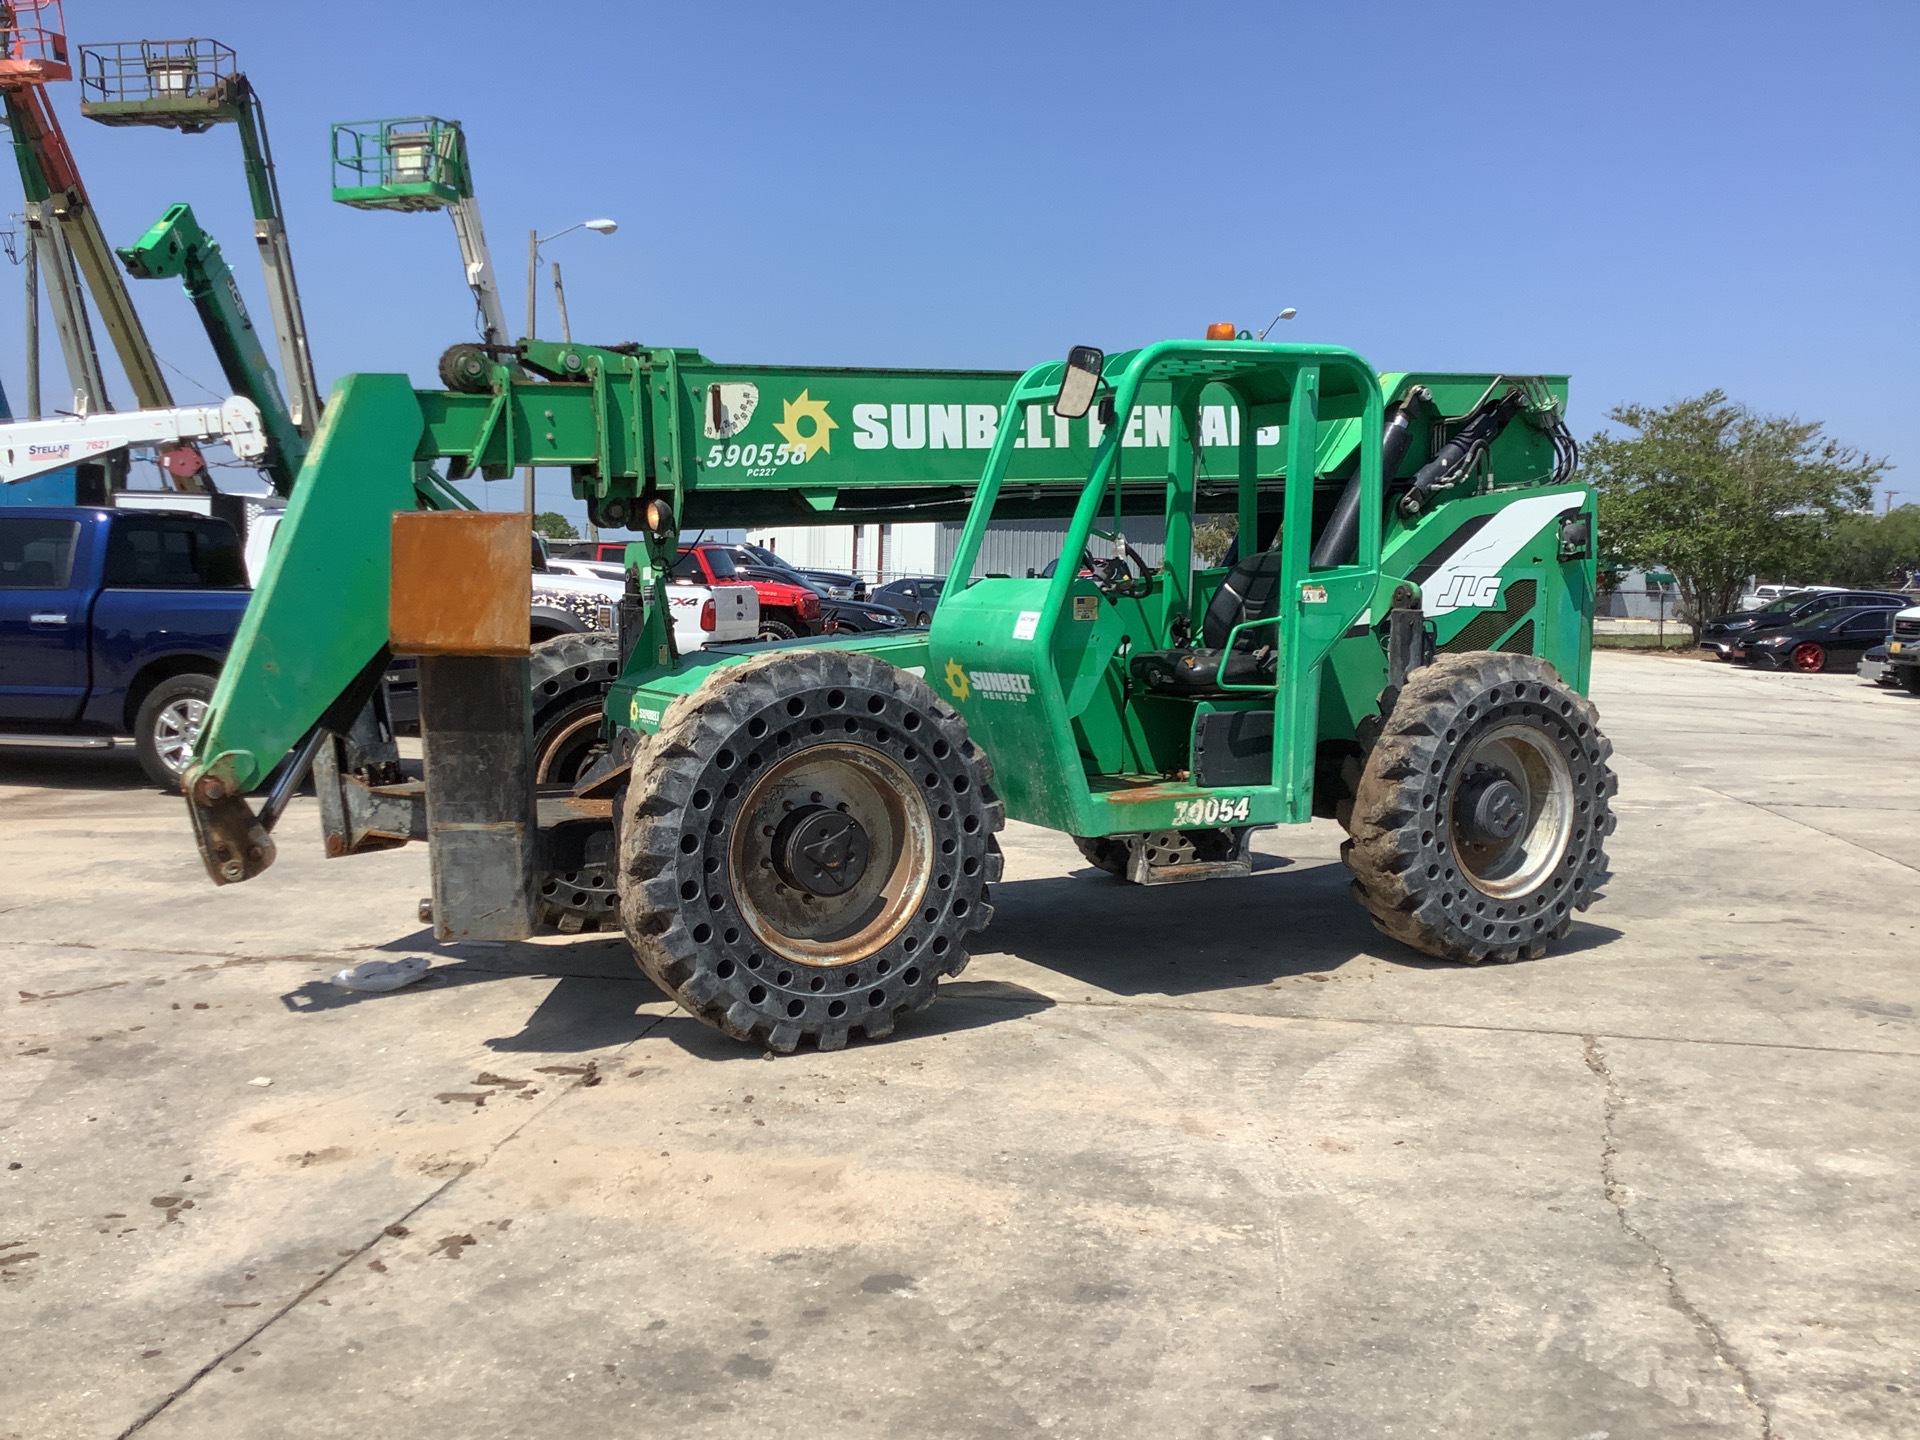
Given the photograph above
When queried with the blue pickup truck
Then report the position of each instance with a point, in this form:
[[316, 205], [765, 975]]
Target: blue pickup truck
[[115, 622]]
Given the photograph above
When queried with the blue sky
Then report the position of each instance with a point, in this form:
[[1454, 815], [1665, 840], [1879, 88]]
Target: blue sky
[[1657, 199]]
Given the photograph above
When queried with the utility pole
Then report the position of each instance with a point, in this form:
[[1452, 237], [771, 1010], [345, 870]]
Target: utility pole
[[560, 301], [533, 286], [1888, 508]]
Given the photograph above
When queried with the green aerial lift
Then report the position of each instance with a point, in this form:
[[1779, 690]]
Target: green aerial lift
[[191, 86], [799, 839], [420, 163], [176, 247]]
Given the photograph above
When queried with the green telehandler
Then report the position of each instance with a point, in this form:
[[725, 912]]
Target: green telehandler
[[799, 839]]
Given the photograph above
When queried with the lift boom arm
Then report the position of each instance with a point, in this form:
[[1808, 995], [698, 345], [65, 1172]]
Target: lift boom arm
[[177, 246], [51, 178], [36, 447]]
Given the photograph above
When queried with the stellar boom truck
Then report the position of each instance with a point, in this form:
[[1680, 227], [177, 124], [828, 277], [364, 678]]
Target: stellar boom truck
[[799, 840]]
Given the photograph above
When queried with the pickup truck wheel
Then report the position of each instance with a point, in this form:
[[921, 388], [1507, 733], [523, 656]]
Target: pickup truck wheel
[[167, 726], [1910, 677], [807, 848], [777, 630], [1482, 812]]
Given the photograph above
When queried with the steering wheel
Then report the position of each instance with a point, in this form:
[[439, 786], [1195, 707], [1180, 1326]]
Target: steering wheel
[[1122, 575]]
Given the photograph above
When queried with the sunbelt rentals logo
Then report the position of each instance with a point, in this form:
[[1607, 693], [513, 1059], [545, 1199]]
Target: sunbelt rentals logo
[[988, 684]]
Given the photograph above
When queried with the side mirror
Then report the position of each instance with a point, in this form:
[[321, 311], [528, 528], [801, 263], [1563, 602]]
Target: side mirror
[[1080, 383]]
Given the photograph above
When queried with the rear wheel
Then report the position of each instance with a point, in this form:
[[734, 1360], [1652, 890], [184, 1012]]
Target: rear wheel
[[1809, 658], [168, 724], [1482, 812], [805, 846], [569, 679]]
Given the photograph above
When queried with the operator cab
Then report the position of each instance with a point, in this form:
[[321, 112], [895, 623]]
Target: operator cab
[[1250, 592], [1150, 696]]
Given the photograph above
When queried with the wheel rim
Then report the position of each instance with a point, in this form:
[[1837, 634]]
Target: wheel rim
[[1512, 809], [176, 729], [799, 801], [1809, 657], [568, 752]]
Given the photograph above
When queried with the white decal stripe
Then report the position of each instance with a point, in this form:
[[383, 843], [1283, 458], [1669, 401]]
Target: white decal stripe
[[1490, 551]]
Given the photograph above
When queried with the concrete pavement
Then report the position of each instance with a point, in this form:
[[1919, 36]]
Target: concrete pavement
[[1197, 1161]]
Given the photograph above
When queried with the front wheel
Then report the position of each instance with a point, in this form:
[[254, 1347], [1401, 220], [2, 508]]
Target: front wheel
[[168, 725], [1809, 658], [805, 846], [777, 630], [1910, 677], [1482, 812]]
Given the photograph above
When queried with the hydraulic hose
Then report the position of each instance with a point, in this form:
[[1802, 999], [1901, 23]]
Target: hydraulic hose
[[1480, 430]]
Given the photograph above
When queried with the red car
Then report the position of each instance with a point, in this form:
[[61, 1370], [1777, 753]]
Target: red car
[[786, 611]]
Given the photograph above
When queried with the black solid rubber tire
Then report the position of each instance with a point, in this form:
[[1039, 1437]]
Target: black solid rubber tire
[[777, 630], [145, 743], [1104, 852], [691, 779], [1401, 855], [569, 676], [1910, 677]]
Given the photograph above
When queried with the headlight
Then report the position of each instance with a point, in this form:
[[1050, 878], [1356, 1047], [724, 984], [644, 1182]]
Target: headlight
[[880, 617], [1741, 624]]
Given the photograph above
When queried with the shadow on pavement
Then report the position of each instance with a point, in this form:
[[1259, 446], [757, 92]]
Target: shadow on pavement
[[115, 769], [1284, 920], [1206, 936]]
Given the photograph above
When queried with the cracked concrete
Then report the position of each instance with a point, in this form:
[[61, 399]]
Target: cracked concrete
[[1621, 1199], [1209, 1161]]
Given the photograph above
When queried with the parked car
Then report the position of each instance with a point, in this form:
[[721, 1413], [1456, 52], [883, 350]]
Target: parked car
[[835, 584], [1903, 650], [1721, 633], [115, 622], [702, 614], [854, 617], [916, 597], [1762, 596], [788, 609], [1822, 642], [1873, 668]]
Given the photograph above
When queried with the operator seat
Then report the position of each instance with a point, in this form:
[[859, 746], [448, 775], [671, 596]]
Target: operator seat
[[1251, 591]]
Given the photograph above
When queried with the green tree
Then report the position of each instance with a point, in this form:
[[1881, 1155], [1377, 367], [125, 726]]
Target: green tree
[[1873, 550], [1717, 494], [1212, 535], [554, 525]]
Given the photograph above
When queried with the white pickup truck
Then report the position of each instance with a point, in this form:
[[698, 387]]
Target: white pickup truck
[[590, 591]]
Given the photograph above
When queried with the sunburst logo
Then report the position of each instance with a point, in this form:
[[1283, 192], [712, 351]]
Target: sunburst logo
[[957, 680], [818, 440]]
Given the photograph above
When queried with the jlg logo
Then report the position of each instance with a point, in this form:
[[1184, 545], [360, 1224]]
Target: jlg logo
[[1464, 591]]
